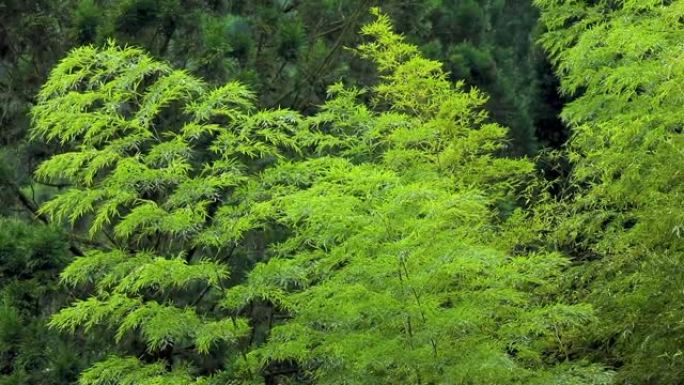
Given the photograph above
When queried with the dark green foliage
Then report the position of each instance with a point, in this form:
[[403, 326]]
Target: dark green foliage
[[30, 43], [489, 44], [31, 257]]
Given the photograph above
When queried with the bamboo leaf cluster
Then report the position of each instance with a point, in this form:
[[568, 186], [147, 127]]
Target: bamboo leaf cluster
[[368, 243]]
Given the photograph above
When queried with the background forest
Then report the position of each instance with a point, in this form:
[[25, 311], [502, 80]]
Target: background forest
[[327, 192]]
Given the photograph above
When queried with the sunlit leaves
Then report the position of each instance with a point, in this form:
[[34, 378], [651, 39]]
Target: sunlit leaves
[[154, 156], [369, 234], [226, 330], [395, 243]]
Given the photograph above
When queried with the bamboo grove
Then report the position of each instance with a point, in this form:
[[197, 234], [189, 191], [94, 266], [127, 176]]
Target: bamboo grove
[[188, 220]]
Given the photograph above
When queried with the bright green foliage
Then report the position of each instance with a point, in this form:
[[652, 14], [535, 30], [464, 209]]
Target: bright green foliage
[[155, 162], [395, 275], [624, 62], [131, 371], [387, 255]]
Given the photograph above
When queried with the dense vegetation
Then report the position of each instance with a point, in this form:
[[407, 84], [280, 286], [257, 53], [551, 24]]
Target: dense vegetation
[[300, 192]]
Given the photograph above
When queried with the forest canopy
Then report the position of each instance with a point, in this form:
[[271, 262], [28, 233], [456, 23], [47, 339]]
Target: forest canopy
[[297, 192]]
